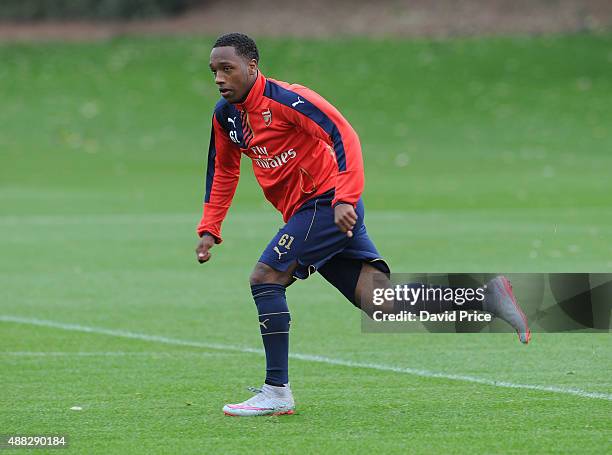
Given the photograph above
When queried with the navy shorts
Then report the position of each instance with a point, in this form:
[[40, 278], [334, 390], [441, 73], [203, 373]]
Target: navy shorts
[[311, 238]]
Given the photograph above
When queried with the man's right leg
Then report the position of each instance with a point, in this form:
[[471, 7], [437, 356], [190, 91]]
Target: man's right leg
[[275, 397], [268, 289]]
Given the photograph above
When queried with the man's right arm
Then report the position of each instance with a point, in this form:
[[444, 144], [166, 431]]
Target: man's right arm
[[222, 174]]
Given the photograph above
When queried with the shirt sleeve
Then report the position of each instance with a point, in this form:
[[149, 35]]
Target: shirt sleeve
[[315, 115], [222, 174]]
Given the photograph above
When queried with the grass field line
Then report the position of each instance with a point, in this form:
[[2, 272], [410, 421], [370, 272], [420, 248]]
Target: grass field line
[[305, 357], [380, 217], [250, 215], [106, 354]]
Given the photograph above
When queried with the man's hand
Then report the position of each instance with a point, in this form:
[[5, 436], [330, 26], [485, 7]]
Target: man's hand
[[345, 218], [204, 245]]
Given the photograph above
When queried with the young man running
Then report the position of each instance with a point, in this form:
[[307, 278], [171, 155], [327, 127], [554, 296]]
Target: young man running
[[307, 159]]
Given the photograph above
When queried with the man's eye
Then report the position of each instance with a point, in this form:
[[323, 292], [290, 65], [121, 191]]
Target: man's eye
[[227, 69]]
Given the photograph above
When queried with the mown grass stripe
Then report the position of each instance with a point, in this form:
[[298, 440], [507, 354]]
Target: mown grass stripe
[[306, 357]]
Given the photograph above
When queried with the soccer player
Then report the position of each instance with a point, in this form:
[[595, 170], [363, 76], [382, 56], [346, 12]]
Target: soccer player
[[307, 159]]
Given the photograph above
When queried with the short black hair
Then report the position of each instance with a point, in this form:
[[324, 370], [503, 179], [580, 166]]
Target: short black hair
[[244, 45]]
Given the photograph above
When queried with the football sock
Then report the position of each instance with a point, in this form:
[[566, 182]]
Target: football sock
[[438, 300], [274, 320]]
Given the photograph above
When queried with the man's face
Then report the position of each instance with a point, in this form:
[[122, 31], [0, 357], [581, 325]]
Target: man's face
[[234, 74]]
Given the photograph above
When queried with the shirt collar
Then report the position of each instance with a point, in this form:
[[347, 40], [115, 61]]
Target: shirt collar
[[255, 94]]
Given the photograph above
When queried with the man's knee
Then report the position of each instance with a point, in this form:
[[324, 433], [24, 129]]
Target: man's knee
[[264, 274], [370, 278]]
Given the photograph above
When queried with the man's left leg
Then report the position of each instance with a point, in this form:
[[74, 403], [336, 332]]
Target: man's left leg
[[356, 279]]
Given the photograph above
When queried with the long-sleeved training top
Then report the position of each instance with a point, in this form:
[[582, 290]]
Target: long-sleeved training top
[[299, 144]]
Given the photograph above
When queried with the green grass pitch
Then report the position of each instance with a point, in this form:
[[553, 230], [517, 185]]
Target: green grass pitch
[[481, 155]]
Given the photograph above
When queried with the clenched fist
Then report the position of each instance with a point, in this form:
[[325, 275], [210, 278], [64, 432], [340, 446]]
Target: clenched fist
[[345, 218], [203, 249]]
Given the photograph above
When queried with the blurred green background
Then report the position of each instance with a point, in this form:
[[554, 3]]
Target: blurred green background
[[478, 142], [23, 10]]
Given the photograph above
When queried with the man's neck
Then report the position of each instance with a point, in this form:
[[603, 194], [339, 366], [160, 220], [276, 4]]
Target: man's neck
[[251, 84]]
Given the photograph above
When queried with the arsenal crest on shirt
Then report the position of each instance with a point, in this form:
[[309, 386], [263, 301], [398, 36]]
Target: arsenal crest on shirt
[[267, 117]]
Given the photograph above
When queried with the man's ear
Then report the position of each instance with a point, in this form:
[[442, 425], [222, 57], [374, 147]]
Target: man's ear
[[253, 67]]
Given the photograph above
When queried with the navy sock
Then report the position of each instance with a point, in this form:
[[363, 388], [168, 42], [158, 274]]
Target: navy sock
[[274, 320]]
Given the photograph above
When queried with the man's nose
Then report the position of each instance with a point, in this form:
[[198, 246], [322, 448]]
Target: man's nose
[[219, 79]]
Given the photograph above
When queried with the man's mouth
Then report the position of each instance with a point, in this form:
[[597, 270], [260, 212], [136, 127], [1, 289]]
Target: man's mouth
[[224, 91]]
